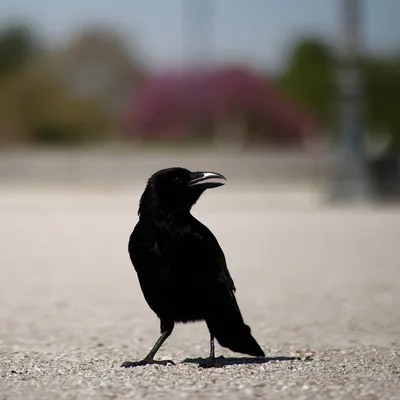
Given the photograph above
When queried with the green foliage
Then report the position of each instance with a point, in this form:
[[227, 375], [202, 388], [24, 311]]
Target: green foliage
[[310, 79], [17, 48], [41, 108], [382, 89], [36, 105]]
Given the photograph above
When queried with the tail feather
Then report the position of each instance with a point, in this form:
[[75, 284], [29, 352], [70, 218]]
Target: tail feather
[[235, 335]]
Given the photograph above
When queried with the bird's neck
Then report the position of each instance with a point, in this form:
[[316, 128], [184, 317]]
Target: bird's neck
[[164, 217], [154, 211]]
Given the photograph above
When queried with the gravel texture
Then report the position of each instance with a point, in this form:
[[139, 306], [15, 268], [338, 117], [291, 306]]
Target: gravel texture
[[320, 288]]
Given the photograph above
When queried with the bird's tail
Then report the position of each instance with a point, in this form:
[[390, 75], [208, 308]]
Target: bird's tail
[[230, 331]]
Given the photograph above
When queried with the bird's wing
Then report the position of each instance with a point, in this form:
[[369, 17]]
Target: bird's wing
[[209, 253], [224, 318], [224, 275], [209, 260], [146, 261]]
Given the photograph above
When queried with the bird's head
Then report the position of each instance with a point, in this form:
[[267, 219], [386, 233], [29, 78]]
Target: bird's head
[[176, 189]]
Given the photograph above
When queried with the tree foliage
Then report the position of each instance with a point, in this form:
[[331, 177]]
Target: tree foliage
[[18, 46], [310, 79], [382, 90], [98, 63], [37, 108], [64, 96]]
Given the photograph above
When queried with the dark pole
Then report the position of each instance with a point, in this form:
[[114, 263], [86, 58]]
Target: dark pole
[[198, 32], [198, 40], [351, 182]]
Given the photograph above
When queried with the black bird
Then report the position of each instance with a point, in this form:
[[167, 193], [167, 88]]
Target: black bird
[[181, 267]]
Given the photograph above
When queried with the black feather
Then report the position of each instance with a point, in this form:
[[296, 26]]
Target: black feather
[[180, 265]]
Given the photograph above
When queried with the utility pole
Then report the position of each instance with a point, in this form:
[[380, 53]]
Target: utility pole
[[351, 182], [198, 44], [198, 32]]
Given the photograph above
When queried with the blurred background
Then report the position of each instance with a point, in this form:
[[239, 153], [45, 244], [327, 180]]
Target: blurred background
[[296, 102], [272, 90]]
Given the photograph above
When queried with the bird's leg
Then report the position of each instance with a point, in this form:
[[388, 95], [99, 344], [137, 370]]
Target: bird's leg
[[210, 362], [149, 359]]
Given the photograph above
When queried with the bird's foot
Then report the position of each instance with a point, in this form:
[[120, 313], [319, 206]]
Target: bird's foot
[[130, 364], [210, 363]]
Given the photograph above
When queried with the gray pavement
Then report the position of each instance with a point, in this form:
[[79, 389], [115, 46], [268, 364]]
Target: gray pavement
[[320, 288]]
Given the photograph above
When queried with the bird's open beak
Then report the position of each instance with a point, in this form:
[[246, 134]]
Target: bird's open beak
[[206, 180]]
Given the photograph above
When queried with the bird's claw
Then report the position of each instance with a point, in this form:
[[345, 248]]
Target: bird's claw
[[130, 364]]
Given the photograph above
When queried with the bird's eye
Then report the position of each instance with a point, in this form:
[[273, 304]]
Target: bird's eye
[[177, 179]]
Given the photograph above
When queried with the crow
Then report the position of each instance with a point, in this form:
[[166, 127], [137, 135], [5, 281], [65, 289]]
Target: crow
[[181, 267]]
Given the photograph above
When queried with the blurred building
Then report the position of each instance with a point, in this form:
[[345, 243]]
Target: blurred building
[[225, 104]]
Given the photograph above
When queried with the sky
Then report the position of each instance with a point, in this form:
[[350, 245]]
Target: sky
[[258, 32]]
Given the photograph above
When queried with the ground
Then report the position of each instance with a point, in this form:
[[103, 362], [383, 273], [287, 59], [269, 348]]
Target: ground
[[320, 288]]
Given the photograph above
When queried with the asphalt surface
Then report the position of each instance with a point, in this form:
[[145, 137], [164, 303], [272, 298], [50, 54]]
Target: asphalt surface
[[320, 288]]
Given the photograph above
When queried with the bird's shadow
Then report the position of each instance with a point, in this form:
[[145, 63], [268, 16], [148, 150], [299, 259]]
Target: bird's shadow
[[244, 360]]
